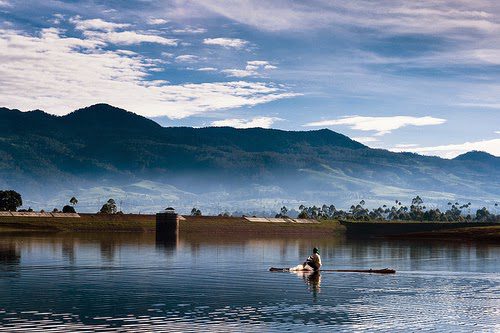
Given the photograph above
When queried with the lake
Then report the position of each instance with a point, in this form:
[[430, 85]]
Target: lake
[[130, 282]]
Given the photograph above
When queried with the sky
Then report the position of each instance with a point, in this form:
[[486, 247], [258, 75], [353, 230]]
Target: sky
[[418, 76]]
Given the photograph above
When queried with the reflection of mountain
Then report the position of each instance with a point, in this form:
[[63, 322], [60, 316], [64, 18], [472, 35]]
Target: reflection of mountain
[[101, 152]]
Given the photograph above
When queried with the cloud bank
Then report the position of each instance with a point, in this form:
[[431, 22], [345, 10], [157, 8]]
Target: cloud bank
[[234, 43], [453, 150], [59, 74], [263, 122], [380, 125]]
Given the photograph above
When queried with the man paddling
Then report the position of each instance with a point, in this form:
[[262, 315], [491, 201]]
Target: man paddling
[[313, 261]]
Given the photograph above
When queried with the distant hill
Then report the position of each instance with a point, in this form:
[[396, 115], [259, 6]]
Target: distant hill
[[102, 151], [478, 156]]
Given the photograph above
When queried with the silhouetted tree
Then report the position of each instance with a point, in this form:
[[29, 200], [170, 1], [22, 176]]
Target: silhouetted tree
[[303, 215], [109, 207], [68, 209], [283, 212], [73, 201], [10, 200], [195, 212], [483, 215]]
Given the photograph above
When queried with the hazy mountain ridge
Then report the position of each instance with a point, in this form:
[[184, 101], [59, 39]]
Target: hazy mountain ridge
[[102, 147]]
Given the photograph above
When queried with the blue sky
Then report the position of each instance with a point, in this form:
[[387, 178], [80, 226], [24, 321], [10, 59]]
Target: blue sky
[[416, 76]]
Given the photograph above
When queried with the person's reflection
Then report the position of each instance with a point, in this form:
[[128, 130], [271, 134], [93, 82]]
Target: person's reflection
[[313, 281]]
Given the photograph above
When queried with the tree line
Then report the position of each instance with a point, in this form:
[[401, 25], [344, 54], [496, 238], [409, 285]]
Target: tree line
[[11, 200], [417, 211]]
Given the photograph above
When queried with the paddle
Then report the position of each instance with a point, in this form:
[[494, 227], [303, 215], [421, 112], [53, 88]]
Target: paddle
[[377, 271]]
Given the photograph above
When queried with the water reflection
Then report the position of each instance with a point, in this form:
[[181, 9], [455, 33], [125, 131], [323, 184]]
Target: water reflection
[[108, 250], [313, 281], [9, 254], [136, 282], [167, 243]]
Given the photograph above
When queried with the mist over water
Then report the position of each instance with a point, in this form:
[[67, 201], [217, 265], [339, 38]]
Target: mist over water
[[131, 282]]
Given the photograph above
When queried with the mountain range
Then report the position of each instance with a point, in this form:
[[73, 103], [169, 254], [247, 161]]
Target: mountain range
[[101, 151]]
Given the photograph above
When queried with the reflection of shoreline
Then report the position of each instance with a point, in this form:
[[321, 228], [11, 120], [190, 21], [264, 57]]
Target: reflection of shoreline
[[9, 254], [266, 251]]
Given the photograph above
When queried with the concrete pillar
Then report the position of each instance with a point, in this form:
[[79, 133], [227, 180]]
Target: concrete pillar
[[167, 225]]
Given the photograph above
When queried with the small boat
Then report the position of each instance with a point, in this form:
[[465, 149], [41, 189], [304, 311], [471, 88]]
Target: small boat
[[377, 271]]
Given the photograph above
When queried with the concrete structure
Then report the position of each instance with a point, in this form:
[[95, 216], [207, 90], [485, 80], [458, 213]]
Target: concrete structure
[[279, 220], [37, 214], [167, 225]]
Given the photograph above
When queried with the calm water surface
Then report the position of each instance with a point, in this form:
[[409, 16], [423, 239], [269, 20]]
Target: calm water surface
[[129, 282]]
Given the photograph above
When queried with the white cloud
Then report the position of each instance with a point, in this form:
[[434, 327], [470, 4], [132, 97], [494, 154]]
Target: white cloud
[[105, 31], [497, 132], [235, 43], [381, 125], [395, 16], [207, 69], [129, 38], [238, 72], [96, 24], [453, 150], [365, 139], [4, 3], [190, 30], [157, 21], [264, 122], [480, 105], [257, 63], [59, 74], [187, 58], [407, 145], [253, 68]]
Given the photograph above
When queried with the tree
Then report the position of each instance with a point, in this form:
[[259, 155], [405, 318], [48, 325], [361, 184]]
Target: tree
[[195, 212], [283, 212], [109, 207], [10, 200], [68, 209], [303, 215], [73, 201], [483, 215]]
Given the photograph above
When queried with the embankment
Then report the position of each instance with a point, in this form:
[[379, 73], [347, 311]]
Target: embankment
[[146, 223], [217, 225]]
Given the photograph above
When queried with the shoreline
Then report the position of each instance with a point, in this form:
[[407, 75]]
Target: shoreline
[[218, 225], [211, 225]]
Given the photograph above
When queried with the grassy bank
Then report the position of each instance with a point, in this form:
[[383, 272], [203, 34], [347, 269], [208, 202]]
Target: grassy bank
[[85, 223], [237, 225], [491, 233], [215, 225], [147, 223]]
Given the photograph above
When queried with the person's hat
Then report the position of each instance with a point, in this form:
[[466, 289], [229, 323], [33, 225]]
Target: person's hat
[[316, 250]]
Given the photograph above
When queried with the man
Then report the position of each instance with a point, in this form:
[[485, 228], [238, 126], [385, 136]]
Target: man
[[314, 261]]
